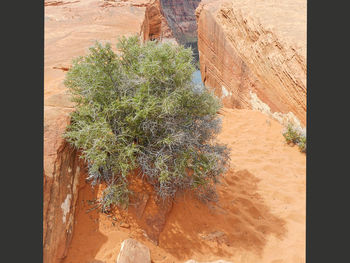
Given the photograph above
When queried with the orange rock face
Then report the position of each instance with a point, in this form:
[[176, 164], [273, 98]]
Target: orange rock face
[[155, 25], [71, 27], [257, 46]]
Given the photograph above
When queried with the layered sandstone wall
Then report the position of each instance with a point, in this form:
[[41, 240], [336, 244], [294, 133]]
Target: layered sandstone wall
[[255, 47]]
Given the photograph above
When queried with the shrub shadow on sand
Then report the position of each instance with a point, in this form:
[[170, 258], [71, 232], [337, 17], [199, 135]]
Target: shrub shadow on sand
[[238, 221]]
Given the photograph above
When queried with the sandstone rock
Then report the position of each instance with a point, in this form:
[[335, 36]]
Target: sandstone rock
[[132, 251], [217, 236], [124, 225], [71, 27], [155, 25], [255, 46], [62, 170], [180, 15], [216, 261]]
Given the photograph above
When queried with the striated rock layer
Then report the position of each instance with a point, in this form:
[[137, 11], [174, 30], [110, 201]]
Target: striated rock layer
[[257, 46], [71, 27], [60, 196]]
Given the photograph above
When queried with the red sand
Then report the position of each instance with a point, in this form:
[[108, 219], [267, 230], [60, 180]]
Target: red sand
[[260, 216]]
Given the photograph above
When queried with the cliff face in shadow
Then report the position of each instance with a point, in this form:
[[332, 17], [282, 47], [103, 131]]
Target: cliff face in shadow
[[180, 15], [255, 46]]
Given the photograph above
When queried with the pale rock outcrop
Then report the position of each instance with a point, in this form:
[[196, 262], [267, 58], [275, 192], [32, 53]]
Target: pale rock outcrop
[[132, 251], [71, 27], [255, 46]]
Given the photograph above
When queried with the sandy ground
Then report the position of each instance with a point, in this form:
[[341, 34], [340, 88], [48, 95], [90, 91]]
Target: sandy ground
[[260, 216]]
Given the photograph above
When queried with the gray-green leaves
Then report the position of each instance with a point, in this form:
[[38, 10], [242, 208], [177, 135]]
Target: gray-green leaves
[[138, 109]]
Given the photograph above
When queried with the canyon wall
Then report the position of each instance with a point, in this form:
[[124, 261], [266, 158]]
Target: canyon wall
[[180, 15], [71, 27], [155, 25], [255, 47]]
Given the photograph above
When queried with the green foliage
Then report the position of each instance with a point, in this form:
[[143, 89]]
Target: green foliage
[[114, 194], [295, 136], [140, 109], [302, 144]]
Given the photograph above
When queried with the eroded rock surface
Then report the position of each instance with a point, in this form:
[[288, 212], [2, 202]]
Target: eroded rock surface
[[155, 25], [132, 251], [216, 261], [60, 195], [258, 46]]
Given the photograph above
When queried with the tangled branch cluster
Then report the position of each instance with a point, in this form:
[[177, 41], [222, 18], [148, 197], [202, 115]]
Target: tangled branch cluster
[[140, 109]]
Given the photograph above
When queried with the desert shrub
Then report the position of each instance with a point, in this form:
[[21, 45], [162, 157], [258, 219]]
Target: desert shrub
[[302, 144], [296, 136], [138, 110]]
